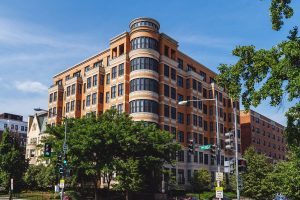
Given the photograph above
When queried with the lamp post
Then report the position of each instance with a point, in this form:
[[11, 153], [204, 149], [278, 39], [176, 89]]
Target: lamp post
[[236, 155], [64, 144], [217, 131]]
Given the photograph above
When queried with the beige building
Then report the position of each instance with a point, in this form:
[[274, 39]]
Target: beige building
[[144, 73], [36, 131]]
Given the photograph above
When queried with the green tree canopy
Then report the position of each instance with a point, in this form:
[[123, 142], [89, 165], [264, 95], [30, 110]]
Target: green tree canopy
[[114, 141], [201, 180], [12, 161]]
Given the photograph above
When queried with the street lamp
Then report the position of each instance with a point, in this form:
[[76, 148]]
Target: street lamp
[[218, 134], [64, 144]]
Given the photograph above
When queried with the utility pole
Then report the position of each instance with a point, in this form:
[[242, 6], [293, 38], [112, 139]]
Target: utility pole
[[218, 140], [64, 156], [236, 155]]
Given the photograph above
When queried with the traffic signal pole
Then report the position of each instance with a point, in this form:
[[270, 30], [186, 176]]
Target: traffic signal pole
[[64, 155], [218, 140], [236, 155]]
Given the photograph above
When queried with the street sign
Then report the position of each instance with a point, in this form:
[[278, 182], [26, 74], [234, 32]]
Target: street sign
[[62, 183], [219, 176], [219, 192], [205, 147], [226, 167], [226, 163], [11, 184]]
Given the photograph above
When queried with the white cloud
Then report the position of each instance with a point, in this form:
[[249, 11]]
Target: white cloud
[[31, 86]]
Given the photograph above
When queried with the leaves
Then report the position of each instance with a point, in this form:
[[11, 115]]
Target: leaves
[[280, 9], [201, 180], [114, 142]]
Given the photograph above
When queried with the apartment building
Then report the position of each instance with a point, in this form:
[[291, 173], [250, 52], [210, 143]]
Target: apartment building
[[145, 74], [264, 134], [15, 124], [36, 131]]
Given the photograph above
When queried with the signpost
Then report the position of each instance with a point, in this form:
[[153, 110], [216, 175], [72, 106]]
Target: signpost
[[219, 192], [205, 147], [62, 183], [219, 176]]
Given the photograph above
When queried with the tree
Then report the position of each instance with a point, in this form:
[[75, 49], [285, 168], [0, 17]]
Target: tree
[[12, 161], [114, 140], [255, 183], [285, 178], [201, 180], [268, 73]]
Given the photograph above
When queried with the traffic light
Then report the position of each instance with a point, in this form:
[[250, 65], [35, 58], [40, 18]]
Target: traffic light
[[242, 165], [213, 150], [47, 150], [229, 140], [59, 158], [191, 146], [65, 161], [61, 170]]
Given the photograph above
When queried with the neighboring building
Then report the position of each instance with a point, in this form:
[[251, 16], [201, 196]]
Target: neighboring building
[[16, 126], [143, 73], [36, 131], [264, 134]]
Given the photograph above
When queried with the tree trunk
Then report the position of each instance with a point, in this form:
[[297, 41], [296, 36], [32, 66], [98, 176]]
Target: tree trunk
[[96, 190]]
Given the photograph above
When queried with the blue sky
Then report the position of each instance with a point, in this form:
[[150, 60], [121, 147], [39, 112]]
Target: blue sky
[[41, 38]]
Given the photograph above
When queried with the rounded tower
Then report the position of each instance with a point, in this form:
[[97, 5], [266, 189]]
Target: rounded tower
[[144, 68]]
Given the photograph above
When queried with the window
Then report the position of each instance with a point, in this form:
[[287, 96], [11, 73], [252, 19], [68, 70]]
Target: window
[[144, 84], [144, 43], [113, 72], [89, 82], [199, 121], [144, 63], [166, 70], [88, 100], [180, 118], [22, 127], [179, 97], [143, 105], [166, 90], [180, 63], [194, 84], [173, 93], [195, 120], [180, 136], [120, 108], [173, 113], [67, 107], [107, 78], [68, 90], [73, 89], [107, 97], [121, 69], [94, 98], [166, 111], [72, 107], [187, 83], [98, 64], [50, 98], [120, 89], [203, 75], [95, 80], [113, 92], [179, 81], [199, 87], [200, 105], [195, 103], [173, 74]]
